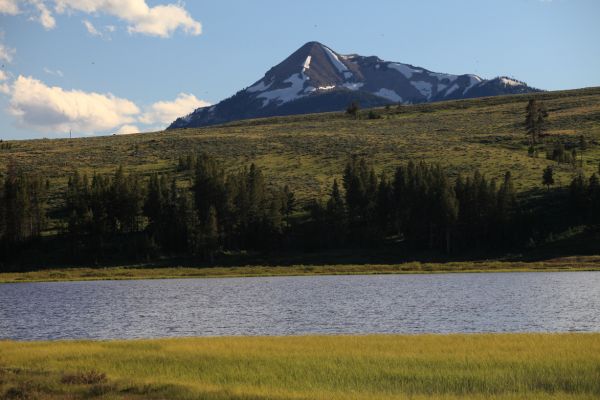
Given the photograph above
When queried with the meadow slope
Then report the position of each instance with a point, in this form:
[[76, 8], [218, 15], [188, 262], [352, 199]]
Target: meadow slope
[[307, 152]]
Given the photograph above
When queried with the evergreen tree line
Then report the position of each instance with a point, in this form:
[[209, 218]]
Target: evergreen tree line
[[22, 208], [584, 195], [218, 211], [420, 206]]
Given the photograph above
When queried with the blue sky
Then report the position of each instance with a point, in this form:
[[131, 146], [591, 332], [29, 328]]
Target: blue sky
[[106, 66]]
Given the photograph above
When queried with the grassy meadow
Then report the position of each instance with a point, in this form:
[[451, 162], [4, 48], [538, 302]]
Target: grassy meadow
[[308, 152], [496, 366], [580, 263]]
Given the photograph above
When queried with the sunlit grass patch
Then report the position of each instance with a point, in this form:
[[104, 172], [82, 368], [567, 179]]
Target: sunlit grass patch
[[514, 366]]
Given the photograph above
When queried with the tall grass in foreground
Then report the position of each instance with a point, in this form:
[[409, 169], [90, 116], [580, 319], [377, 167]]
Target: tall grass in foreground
[[515, 366]]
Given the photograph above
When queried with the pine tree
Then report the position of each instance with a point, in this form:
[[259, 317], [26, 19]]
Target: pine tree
[[335, 217], [288, 204], [535, 120], [211, 233], [353, 109], [548, 177], [594, 201], [384, 206], [448, 207], [209, 186], [578, 193], [582, 147]]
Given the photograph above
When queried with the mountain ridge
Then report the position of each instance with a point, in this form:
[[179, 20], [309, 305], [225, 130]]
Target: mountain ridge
[[315, 78]]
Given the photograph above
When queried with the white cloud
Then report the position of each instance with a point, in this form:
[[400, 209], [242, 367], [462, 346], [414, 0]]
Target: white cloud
[[45, 16], [42, 13], [4, 88], [54, 109], [110, 28], [127, 130], [51, 109], [6, 53], [91, 28], [160, 20], [58, 72], [9, 7], [165, 112]]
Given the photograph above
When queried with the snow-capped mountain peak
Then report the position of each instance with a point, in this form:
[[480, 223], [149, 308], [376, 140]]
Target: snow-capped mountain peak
[[315, 78]]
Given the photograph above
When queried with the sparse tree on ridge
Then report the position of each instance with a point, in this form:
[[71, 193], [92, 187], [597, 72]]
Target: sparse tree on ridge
[[535, 120], [353, 109], [548, 177]]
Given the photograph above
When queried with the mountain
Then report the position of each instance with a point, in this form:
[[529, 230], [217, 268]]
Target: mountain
[[317, 79]]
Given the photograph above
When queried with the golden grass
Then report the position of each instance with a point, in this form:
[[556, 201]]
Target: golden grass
[[576, 263], [507, 366]]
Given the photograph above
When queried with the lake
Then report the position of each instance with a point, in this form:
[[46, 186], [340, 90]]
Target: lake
[[445, 303]]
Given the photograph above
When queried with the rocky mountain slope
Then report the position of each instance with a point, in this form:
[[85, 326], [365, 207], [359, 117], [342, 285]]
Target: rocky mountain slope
[[317, 79]]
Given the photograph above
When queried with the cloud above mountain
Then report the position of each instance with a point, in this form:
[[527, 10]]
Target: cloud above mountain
[[160, 20], [127, 130], [4, 88], [165, 112], [6, 53], [52, 109], [9, 7]]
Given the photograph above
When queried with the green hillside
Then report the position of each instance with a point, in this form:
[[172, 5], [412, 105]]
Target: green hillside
[[306, 152]]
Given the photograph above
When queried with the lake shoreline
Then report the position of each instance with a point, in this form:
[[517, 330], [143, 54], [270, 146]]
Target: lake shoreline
[[570, 264]]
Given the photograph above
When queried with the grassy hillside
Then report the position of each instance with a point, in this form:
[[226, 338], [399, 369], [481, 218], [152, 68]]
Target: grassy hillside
[[522, 366], [306, 152]]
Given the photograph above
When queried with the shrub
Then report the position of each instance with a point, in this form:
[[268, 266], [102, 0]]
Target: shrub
[[353, 109], [101, 389], [374, 115], [84, 378], [24, 391]]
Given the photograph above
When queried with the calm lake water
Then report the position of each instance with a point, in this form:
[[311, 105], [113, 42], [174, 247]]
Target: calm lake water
[[490, 302]]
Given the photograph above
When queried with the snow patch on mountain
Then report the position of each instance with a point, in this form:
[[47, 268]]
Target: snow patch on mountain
[[341, 67], [441, 77], [423, 87], [285, 95], [452, 89], [353, 85], [474, 81], [389, 94], [510, 82], [404, 69], [306, 63], [259, 87]]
